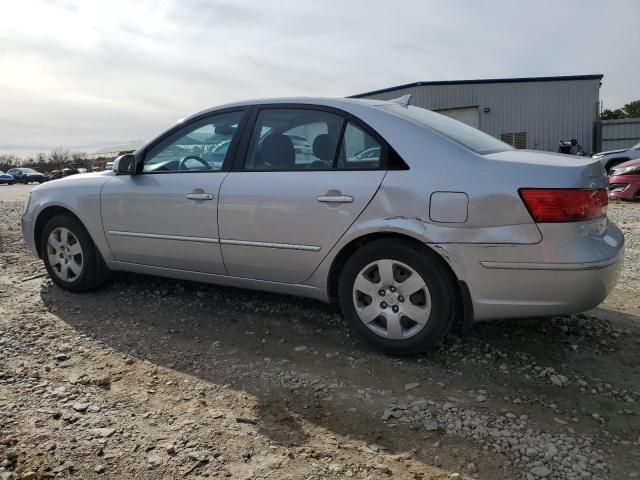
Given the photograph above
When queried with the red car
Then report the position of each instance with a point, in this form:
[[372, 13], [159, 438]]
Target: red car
[[624, 181]]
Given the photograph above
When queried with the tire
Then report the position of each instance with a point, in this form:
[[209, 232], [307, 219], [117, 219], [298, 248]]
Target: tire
[[92, 271], [11, 183], [438, 296]]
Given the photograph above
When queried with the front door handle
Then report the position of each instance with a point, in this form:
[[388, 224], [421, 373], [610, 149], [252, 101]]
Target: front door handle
[[199, 196], [335, 199]]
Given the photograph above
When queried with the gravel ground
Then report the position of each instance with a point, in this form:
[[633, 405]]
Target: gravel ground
[[154, 378]]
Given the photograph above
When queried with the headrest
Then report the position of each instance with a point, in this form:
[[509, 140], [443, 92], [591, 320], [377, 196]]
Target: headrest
[[277, 151], [324, 147]]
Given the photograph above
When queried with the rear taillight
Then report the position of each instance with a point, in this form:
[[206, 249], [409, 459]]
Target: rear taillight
[[547, 205]]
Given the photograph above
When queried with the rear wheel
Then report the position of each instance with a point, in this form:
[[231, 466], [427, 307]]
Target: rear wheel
[[70, 256], [398, 296]]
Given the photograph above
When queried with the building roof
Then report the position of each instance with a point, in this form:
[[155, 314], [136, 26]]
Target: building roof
[[126, 147], [483, 80]]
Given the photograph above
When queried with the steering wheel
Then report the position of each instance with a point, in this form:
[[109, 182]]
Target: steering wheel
[[183, 160]]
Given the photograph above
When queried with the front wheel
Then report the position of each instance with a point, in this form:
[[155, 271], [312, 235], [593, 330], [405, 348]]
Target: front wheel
[[398, 296], [70, 256]]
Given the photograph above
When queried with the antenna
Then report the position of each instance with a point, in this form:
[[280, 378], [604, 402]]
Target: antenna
[[403, 100]]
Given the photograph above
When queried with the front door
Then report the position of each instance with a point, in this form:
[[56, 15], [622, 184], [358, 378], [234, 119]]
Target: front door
[[167, 215], [300, 189]]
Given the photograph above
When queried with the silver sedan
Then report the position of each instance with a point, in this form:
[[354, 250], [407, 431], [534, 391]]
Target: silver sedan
[[407, 219]]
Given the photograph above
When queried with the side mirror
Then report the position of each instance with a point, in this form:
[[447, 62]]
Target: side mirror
[[125, 165]]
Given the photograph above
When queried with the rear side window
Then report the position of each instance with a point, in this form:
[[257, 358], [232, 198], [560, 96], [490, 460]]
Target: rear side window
[[359, 150], [294, 139]]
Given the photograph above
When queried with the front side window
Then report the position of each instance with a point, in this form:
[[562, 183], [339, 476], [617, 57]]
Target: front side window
[[200, 146], [359, 150], [294, 139]]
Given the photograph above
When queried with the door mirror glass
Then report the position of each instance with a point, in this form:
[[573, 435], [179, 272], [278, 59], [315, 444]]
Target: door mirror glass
[[125, 165]]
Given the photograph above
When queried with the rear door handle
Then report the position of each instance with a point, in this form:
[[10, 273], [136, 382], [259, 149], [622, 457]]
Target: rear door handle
[[199, 196], [335, 199]]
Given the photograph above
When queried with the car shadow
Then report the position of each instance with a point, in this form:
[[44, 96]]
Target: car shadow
[[295, 356]]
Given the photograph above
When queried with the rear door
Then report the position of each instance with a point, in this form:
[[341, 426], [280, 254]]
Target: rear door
[[166, 216], [284, 208]]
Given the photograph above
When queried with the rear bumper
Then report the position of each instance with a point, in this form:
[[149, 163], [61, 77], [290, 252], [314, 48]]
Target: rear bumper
[[513, 291], [515, 281]]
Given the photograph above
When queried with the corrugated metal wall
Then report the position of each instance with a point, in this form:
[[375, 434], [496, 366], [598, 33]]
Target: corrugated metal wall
[[548, 111], [617, 134]]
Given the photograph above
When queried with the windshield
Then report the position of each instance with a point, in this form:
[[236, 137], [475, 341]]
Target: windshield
[[28, 170], [468, 136]]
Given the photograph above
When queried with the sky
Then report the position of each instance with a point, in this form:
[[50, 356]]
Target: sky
[[92, 73]]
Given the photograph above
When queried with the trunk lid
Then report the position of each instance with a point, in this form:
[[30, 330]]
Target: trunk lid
[[553, 170]]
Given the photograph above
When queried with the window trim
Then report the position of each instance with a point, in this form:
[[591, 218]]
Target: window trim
[[141, 155], [386, 151]]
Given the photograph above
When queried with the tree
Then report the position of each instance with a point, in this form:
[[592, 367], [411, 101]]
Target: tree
[[59, 156], [608, 114], [632, 109], [78, 156], [8, 161]]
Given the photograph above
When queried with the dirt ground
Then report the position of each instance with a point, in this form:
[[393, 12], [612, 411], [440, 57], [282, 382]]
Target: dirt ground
[[155, 378]]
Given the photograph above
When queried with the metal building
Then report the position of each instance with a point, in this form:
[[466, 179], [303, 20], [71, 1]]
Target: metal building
[[535, 113]]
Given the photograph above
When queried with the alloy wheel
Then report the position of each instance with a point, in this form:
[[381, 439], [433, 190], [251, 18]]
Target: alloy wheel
[[65, 254]]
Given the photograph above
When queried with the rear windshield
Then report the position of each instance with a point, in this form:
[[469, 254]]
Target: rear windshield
[[468, 136]]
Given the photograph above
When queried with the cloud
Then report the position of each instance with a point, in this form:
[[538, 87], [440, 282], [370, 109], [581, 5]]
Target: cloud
[[85, 74]]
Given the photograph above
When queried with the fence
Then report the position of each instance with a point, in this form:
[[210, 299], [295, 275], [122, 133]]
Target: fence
[[617, 134]]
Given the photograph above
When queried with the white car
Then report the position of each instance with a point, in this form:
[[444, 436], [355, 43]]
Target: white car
[[612, 158]]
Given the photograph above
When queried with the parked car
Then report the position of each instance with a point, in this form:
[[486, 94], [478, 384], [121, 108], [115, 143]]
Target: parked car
[[6, 178], [624, 181], [55, 175], [449, 223], [27, 175], [614, 157], [67, 171]]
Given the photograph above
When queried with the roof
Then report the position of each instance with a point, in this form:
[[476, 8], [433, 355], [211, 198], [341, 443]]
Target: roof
[[125, 147], [484, 80], [323, 101]]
